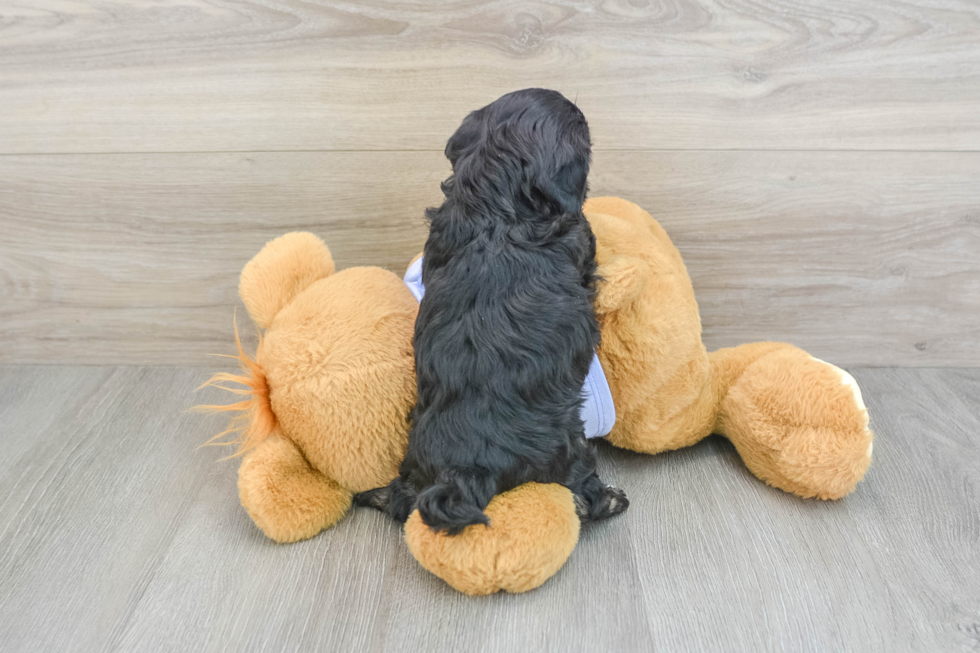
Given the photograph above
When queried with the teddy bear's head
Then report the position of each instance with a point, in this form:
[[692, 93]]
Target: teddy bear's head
[[335, 358]]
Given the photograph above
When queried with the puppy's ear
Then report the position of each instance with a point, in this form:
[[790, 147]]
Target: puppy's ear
[[572, 178], [565, 179], [623, 280], [469, 133]]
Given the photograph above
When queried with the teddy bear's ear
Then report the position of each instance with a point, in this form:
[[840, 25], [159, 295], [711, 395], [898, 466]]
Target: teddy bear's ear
[[622, 282], [284, 268]]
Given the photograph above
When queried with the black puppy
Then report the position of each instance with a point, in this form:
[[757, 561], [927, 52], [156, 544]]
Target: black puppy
[[506, 329]]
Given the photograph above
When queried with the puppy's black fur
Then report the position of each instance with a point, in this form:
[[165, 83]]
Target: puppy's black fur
[[506, 329]]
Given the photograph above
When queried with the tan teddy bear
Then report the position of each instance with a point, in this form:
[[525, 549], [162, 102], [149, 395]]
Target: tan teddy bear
[[332, 383]]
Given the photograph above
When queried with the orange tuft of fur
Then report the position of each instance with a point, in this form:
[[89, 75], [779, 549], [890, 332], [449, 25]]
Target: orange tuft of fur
[[255, 421]]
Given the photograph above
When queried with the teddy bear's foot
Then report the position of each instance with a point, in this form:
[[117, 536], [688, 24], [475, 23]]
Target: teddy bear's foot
[[284, 496], [799, 423], [533, 529]]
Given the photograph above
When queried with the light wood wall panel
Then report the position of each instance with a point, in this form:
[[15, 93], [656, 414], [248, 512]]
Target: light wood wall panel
[[220, 75], [860, 257], [135, 258], [868, 258]]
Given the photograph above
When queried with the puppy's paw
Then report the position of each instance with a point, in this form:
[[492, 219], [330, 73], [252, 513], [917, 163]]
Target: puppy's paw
[[378, 498], [612, 502], [608, 502]]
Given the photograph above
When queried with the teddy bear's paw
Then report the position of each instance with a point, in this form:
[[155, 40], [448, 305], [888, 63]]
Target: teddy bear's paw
[[284, 496], [533, 529], [852, 386]]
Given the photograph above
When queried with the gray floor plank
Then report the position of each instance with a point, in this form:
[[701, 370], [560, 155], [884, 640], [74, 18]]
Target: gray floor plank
[[224, 587], [735, 565], [919, 510], [95, 500], [116, 534]]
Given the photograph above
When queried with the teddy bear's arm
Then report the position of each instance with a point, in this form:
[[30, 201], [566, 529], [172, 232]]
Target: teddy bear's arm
[[622, 281]]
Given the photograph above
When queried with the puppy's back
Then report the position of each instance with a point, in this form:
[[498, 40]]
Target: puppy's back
[[506, 331]]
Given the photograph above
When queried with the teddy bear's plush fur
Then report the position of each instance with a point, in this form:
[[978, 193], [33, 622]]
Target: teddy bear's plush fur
[[798, 423], [332, 383], [329, 390]]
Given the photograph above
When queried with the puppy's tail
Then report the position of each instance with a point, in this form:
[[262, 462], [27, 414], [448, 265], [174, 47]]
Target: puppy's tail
[[456, 500]]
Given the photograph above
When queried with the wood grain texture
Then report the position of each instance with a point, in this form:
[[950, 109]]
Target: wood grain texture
[[98, 468], [116, 534], [217, 75], [142, 265], [859, 257]]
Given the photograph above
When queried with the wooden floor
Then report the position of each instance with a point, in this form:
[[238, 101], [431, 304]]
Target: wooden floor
[[816, 163], [117, 534]]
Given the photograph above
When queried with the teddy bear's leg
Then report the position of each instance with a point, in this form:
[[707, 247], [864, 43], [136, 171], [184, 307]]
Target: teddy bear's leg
[[533, 529], [284, 496], [799, 423]]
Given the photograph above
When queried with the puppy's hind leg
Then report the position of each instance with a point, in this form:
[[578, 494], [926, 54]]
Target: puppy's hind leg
[[594, 500], [396, 499]]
